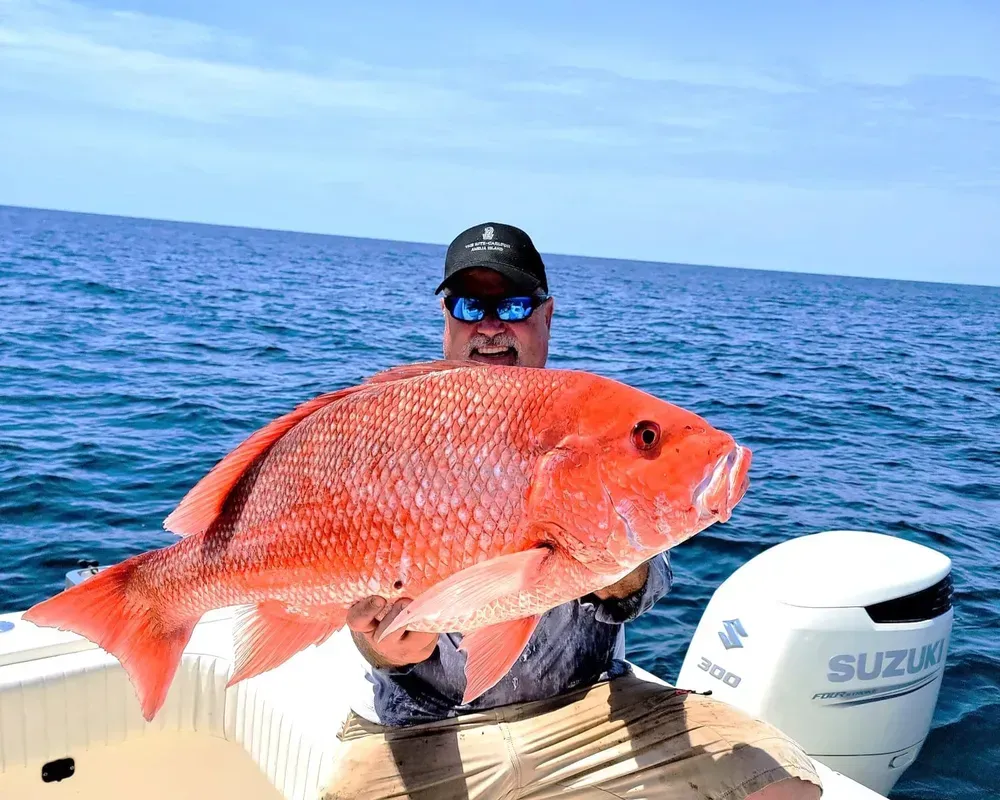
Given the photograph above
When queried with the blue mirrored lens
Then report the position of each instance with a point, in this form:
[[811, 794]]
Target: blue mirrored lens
[[468, 309], [509, 309], [514, 309]]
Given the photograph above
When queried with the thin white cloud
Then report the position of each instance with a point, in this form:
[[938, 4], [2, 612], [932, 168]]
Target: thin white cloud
[[573, 88], [626, 62], [526, 106], [122, 28], [139, 62]]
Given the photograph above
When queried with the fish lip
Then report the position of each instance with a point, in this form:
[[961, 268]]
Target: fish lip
[[719, 491]]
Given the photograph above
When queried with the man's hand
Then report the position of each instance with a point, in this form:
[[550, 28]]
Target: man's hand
[[401, 648], [628, 585]]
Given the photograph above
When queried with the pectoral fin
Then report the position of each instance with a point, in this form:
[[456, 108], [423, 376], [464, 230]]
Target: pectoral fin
[[472, 588]]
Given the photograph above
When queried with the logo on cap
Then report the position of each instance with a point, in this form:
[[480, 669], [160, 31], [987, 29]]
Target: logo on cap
[[488, 233]]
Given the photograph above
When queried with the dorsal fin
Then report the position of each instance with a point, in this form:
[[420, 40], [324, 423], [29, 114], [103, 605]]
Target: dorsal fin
[[405, 371], [204, 502]]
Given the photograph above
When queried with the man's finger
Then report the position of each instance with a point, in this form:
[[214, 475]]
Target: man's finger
[[391, 614], [361, 617]]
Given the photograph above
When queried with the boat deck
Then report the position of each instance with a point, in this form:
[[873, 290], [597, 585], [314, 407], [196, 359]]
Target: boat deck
[[161, 766]]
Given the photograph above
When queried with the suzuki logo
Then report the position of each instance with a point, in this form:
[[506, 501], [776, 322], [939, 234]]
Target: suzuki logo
[[884, 663], [732, 633]]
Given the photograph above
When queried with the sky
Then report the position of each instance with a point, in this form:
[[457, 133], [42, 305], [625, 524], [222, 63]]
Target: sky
[[854, 138]]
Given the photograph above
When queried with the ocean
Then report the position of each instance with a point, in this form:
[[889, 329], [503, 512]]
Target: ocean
[[134, 354]]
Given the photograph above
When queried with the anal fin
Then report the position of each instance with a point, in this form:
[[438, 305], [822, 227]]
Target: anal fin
[[269, 634], [492, 651]]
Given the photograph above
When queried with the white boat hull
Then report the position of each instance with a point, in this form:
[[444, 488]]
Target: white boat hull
[[272, 737]]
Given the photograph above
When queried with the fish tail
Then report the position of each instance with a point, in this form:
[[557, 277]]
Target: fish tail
[[120, 614]]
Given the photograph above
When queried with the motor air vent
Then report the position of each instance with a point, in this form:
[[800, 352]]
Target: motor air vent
[[923, 605]]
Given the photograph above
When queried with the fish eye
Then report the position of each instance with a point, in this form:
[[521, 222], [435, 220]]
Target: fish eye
[[645, 435]]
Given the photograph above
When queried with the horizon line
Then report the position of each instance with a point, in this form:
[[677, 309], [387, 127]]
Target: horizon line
[[547, 253]]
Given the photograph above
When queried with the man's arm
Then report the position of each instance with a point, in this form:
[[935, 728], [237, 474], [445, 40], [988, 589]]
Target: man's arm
[[628, 585], [634, 594]]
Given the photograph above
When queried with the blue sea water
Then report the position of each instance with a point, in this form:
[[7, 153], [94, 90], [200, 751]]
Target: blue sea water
[[135, 353]]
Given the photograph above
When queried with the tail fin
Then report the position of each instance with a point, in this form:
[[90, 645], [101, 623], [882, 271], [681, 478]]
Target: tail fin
[[125, 622]]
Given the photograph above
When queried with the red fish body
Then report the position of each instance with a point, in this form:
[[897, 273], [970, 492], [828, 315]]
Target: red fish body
[[487, 494]]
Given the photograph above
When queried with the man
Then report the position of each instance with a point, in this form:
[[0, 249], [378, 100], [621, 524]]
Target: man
[[569, 719]]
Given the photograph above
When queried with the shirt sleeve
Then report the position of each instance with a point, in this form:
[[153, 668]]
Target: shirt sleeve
[[618, 610]]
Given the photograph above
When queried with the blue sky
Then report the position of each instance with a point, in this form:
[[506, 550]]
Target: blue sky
[[855, 138]]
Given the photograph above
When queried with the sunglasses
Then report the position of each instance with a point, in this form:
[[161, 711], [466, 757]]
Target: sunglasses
[[506, 309]]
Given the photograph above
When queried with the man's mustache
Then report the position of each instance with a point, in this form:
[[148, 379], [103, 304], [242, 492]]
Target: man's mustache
[[502, 340]]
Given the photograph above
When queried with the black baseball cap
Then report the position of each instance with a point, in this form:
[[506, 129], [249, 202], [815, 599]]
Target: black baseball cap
[[502, 248]]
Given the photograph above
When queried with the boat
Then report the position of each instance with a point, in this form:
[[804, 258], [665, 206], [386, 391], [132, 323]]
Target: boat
[[810, 635]]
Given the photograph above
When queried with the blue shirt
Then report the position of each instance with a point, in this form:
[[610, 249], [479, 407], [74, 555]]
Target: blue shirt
[[576, 644]]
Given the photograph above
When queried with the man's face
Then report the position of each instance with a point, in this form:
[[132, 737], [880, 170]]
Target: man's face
[[492, 341]]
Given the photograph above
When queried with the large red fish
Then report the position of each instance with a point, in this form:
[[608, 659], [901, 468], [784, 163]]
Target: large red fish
[[488, 494]]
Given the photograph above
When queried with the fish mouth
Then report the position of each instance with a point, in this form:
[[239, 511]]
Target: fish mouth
[[719, 492]]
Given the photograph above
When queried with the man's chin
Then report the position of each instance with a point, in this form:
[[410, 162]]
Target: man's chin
[[508, 358]]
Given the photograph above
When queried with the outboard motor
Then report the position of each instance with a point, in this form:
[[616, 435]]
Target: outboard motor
[[839, 639]]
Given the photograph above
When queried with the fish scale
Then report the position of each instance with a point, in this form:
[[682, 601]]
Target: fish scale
[[362, 440], [488, 495]]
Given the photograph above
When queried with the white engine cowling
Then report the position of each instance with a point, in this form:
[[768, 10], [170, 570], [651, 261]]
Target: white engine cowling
[[839, 639]]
